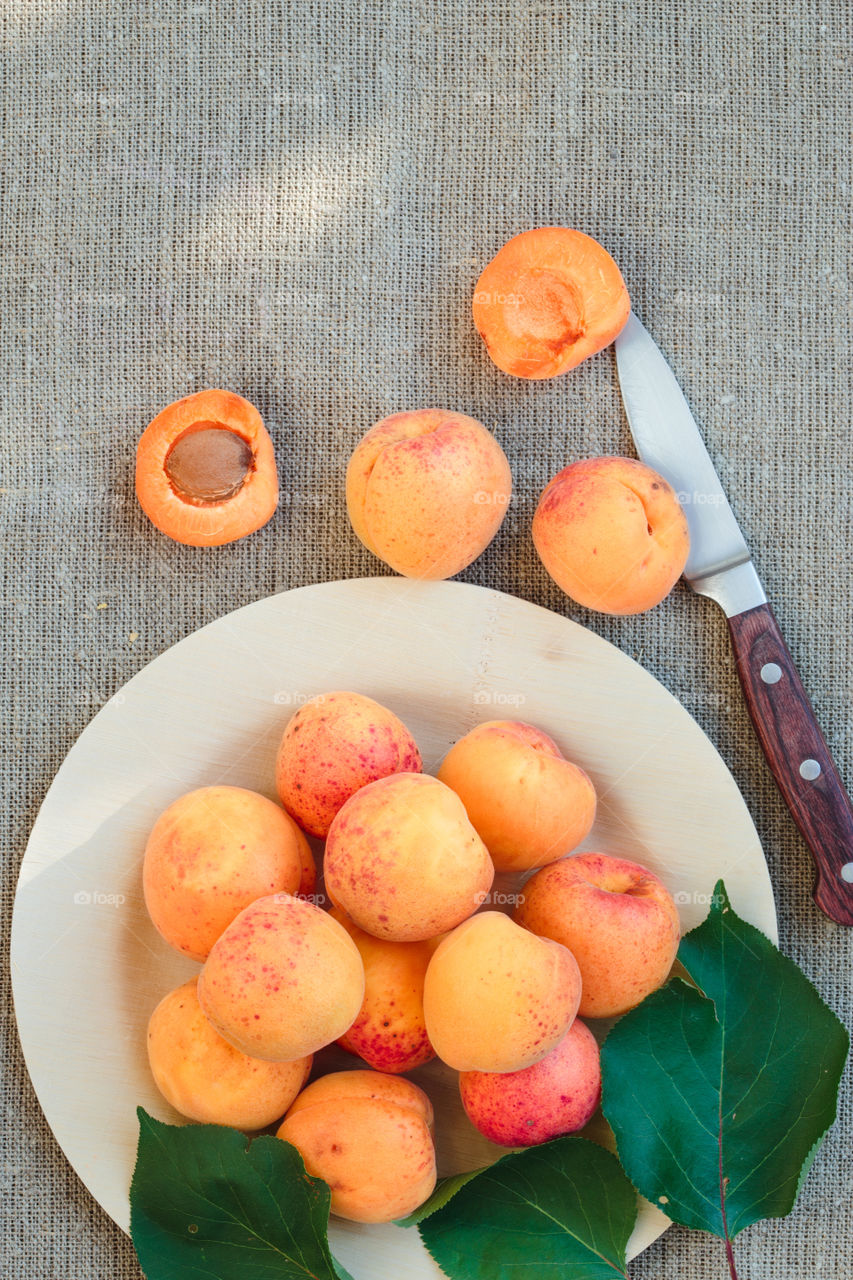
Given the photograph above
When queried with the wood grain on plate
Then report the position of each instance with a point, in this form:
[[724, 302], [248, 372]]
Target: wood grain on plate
[[87, 965]]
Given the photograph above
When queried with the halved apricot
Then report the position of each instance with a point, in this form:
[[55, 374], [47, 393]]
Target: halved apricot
[[205, 469], [547, 300]]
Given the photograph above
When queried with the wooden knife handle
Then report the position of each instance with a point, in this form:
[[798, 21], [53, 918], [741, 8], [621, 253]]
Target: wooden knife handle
[[797, 753]]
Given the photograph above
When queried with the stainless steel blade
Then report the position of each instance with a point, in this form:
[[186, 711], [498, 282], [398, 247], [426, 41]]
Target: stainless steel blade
[[668, 439]]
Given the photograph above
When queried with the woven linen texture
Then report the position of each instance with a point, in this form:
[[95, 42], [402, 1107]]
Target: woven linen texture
[[294, 201]]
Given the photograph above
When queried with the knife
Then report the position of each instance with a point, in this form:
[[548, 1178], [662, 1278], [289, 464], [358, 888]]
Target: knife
[[719, 566]]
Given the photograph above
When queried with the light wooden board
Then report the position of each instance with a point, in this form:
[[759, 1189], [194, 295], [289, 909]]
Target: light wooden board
[[87, 965]]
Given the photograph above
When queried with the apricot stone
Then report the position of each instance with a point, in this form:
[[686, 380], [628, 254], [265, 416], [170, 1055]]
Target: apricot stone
[[427, 491], [493, 1002], [527, 803], [207, 1079], [369, 1137], [557, 1095], [284, 980], [333, 745], [209, 855], [390, 1030], [404, 862], [612, 534], [618, 918]]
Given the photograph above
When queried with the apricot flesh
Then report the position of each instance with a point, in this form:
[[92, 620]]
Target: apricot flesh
[[559, 1094], [390, 1030], [369, 1137], [335, 744], [427, 491], [212, 853], [403, 860], [550, 298], [207, 1079], [618, 918], [528, 804], [283, 981], [494, 1003], [612, 534]]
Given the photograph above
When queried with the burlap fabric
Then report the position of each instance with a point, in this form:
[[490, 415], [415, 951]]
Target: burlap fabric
[[293, 201]]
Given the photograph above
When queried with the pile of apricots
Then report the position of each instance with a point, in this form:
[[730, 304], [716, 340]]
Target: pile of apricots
[[427, 490], [410, 961]]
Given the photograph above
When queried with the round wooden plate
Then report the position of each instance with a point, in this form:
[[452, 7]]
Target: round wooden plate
[[87, 965]]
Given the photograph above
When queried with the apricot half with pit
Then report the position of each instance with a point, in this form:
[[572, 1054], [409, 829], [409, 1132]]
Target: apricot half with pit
[[205, 469]]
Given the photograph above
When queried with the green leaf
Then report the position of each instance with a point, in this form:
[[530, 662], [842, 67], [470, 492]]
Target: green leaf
[[208, 1205], [445, 1190], [719, 1097], [562, 1211]]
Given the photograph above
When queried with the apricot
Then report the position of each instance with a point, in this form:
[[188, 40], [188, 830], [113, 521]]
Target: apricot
[[207, 1079], [617, 917], [205, 469], [404, 862], [548, 299], [427, 491], [390, 1031], [612, 534], [284, 980], [557, 1095], [333, 745], [210, 854], [528, 804], [493, 1002], [369, 1137]]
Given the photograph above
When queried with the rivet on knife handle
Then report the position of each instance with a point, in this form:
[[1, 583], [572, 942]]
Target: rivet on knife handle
[[798, 755]]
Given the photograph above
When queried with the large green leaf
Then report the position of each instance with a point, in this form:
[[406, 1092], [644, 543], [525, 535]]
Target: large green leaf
[[718, 1097], [562, 1211], [445, 1190], [208, 1205]]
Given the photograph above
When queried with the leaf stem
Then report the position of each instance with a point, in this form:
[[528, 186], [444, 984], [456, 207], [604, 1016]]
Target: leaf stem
[[730, 1258], [724, 1182]]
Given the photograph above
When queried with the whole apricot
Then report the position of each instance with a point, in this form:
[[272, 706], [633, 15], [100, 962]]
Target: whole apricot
[[335, 744], [404, 862], [427, 491], [369, 1137], [494, 1003], [207, 1079], [390, 1030], [209, 855], [527, 802], [612, 534], [617, 917], [558, 1094], [284, 980]]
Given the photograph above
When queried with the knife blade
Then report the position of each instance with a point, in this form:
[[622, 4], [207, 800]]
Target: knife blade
[[719, 565]]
